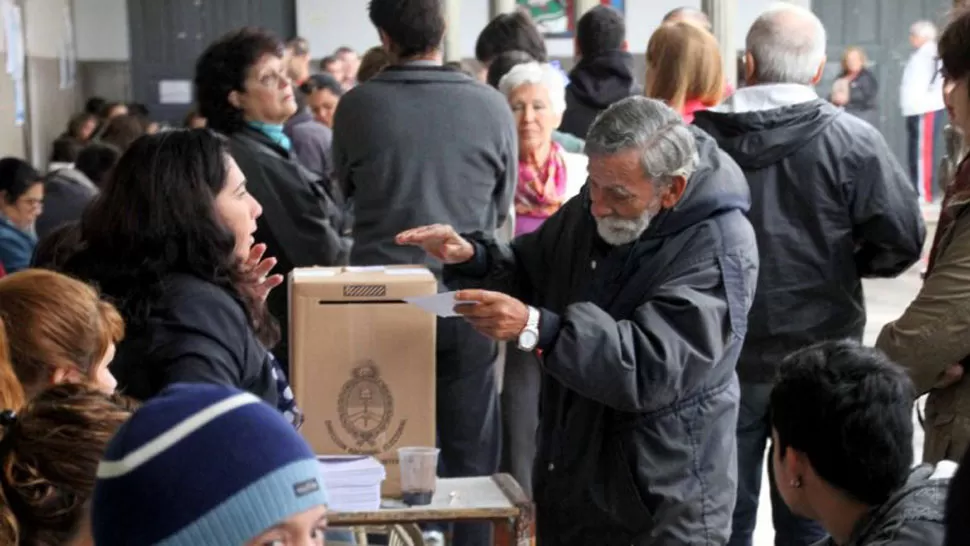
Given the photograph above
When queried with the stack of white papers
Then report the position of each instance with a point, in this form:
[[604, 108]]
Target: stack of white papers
[[353, 482]]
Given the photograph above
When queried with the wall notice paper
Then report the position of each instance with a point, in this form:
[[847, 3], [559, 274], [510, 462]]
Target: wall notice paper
[[175, 92], [442, 304], [19, 103], [68, 56], [13, 31], [62, 67]]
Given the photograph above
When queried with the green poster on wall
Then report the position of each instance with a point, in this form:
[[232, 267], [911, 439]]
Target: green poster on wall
[[551, 16]]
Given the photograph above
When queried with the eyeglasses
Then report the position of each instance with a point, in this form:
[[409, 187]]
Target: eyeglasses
[[274, 80], [30, 203]]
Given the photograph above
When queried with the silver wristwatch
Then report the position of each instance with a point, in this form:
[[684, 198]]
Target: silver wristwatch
[[529, 337]]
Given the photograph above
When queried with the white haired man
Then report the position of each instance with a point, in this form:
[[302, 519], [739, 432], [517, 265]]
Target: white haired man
[[635, 294], [829, 204], [351, 62], [921, 100], [689, 15]]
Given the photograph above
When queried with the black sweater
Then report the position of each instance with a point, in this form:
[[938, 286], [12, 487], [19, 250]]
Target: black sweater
[[197, 332], [422, 145]]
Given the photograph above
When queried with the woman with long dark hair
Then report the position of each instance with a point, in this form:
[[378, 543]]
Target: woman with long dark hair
[[170, 242]]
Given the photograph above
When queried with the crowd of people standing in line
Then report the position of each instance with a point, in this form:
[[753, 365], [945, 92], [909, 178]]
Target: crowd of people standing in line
[[670, 273]]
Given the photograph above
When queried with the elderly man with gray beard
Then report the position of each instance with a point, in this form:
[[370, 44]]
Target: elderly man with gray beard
[[636, 295]]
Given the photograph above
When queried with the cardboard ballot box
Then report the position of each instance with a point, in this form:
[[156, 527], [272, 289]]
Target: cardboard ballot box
[[362, 361]]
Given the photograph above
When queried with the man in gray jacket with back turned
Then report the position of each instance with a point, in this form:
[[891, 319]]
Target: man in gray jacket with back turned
[[422, 144]]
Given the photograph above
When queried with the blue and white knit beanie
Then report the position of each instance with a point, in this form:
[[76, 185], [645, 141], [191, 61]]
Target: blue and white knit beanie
[[202, 465]]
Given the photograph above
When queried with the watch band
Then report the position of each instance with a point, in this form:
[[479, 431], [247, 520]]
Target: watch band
[[529, 337], [533, 321]]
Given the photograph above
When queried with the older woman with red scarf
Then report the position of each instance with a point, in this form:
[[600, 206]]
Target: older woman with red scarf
[[548, 177]]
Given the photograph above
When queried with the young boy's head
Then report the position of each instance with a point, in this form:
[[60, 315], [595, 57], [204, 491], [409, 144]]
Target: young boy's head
[[206, 465]]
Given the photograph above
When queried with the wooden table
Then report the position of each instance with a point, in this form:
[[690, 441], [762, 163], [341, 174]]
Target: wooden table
[[497, 499]]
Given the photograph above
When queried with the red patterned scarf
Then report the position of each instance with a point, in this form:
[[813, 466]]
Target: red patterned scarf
[[539, 193]]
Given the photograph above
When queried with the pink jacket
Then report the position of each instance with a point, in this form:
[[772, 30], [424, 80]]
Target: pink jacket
[[690, 107]]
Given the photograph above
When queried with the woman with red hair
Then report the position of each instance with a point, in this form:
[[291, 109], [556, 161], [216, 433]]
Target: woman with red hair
[[684, 68], [58, 330]]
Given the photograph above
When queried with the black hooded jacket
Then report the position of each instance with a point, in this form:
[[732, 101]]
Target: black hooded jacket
[[595, 84], [830, 204], [636, 442]]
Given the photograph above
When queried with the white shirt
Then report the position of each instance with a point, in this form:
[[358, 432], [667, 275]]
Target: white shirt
[[922, 88]]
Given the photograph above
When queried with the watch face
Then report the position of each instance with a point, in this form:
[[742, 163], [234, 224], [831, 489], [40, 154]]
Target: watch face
[[528, 340]]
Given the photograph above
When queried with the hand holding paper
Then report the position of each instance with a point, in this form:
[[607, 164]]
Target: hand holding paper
[[494, 314], [442, 305]]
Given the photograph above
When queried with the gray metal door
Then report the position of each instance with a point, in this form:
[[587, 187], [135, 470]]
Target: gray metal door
[[167, 36], [881, 28]]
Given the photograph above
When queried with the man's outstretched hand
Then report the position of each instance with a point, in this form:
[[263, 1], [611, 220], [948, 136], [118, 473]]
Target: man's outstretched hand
[[493, 314], [440, 241]]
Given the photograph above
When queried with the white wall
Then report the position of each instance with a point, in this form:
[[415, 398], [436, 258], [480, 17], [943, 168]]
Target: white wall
[[48, 27], [101, 26], [45, 27], [644, 16], [101, 30], [474, 17], [329, 24]]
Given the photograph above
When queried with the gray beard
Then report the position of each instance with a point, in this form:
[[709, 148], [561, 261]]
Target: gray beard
[[621, 231]]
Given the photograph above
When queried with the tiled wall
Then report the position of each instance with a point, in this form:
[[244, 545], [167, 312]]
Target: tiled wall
[[47, 28], [48, 110], [12, 138], [49, 107]]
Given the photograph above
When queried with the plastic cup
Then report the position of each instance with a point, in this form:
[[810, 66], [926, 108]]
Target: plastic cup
[[419, 474]]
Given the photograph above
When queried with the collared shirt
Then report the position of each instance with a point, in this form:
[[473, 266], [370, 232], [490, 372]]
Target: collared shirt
[[921, 90], [421, 62], [758, 98]]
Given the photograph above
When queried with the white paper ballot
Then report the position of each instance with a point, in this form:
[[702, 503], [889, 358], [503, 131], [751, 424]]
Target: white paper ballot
[[442, 304]]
